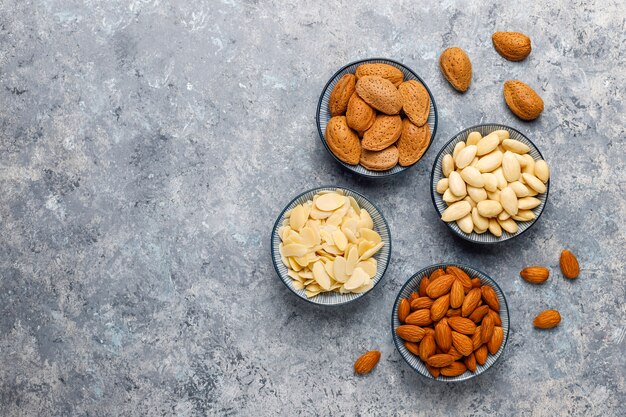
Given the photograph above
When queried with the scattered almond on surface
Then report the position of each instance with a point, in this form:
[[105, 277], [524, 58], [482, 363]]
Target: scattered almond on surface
[[535, 274], [569, 265], [456, 68], [367, 362], [547, 319], [513, 46], [523, 101]]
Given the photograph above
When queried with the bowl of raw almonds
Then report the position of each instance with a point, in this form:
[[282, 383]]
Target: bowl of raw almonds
[[330, 246], [490, 183], [450, 322]]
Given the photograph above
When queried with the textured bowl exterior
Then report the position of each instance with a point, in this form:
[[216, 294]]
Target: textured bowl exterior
[[323, 114], [413, 285], [436, 175], [382, 257]]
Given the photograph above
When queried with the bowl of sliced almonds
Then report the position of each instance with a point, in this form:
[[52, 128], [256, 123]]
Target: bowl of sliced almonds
[[450, 322], [330, 245]]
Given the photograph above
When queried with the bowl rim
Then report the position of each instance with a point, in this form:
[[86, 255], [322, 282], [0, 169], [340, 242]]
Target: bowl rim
[[462, 266], [432, 179], [275, 234], [321, 134]]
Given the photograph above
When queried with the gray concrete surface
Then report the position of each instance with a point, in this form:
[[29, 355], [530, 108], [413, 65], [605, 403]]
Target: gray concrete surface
[[146, 148]]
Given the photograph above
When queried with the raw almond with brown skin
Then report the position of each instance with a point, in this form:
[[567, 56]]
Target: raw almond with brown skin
[[457, 294], [413, 143], [443, 335], [427, 347], [435, 372], [523, 101], [481, 354], [419, 318], [462, 343], [495, 317], [413, 296], [367, 362], [462, 325], [384, 132], [535, 274], [453, 312], [513, 46], [547, 319], [380, 93], [415, 101], [471, 301], [476, 283], [496, 340], [410, 333], [340, 96], [359, 115], [486, 329], [457, 68], [421, 302], [569, 265], [454, 369], [423, 285], [439, 272], [479, 313], [412, 347], [440, 360], [440, 307], [455, 353], [462, 276], [477, 337], [387, 71], [440, 286], [490, 298], [380, 160], [404, 308], [342, 140], [470, 362]]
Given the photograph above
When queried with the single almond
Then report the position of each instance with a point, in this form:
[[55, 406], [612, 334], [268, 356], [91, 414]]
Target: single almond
[[496, 340], [340, 96], [380, 93], [342, 140], [547, 319], [359, 115], [443, 335], [387, 71], [435, 372], [410, 333], [462, 325], [462, 343], [461, 276], [440, 360], [523, 101], [427, 347], [481, 354], [470, 302], [454, 369], [490, 298], [479, 313], [470, 362], [440, 307], [457, 68], [404, 308], [476, 283], [495, 317], [457, 294], [569, 265], [412, 347], [367, 362], [419, 318], [441, 286], [421, 302], [423, 285], [415, 101], [477, 337], [453, 312], [513, 46], [535, 274], [439, 272], [486, 329]]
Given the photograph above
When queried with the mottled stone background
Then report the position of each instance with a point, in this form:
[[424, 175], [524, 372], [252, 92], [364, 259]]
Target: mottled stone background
[[146, 148]]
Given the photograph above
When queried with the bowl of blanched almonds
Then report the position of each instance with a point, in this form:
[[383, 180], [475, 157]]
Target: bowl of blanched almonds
[[489, 183]]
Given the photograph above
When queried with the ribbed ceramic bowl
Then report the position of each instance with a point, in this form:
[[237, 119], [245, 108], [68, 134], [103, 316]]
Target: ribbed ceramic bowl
[[323, 114], [382, 256], [437, 174], [413, 285]]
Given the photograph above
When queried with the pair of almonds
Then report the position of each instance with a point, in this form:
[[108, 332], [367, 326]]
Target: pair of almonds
[[378, 119], [523, 101], [539, 274], [451, 322]]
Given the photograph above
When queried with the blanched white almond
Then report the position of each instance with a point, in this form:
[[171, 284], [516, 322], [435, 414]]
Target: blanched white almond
[[534, 183], [447, 165], [495, 196], [528, 203], [520, 189], [456, 184], [542, 171], [494, 228], [524, 216], [480, 222], [465, 156], [474, 162], [515, 146], [472, 177], [522, 161], [503, 215], [456, 211], [502, 134], [490, 181], [529, 168], [458, 148], [502, 182], [487, 144], [469, 200], [450, 198], [509, 225], [479, 231], [473, 138], [508, 199], [489, 208], [510, 167], [466, 224], [476, 194], [490, 162], [442, 185]]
